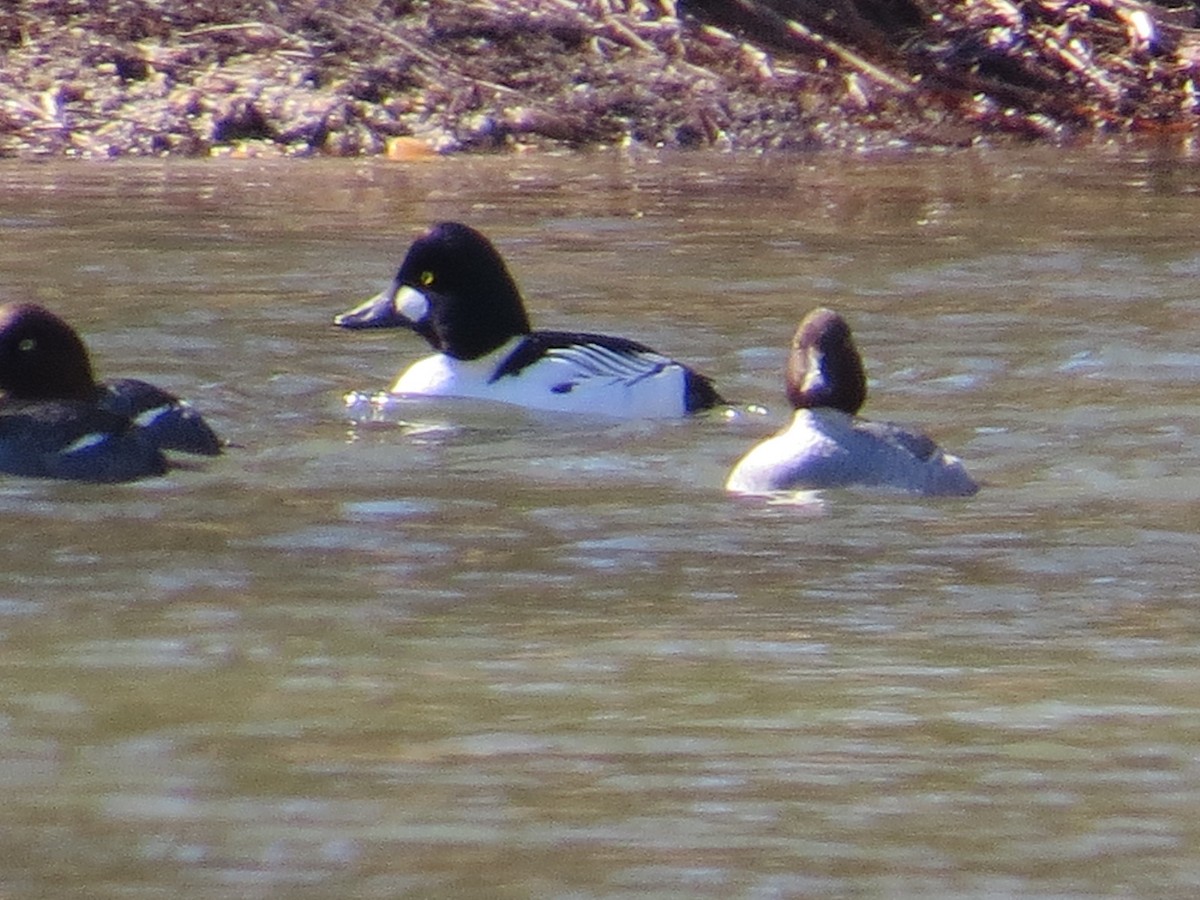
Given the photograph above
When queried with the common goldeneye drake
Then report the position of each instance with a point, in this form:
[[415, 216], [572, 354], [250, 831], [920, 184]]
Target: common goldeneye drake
[[56, 421], [454, 290], [827, 445]]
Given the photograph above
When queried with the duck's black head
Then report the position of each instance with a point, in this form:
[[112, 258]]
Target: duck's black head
[[41, 356], [454, 289]]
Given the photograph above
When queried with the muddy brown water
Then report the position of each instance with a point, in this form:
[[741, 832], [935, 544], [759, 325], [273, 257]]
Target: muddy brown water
[[463, 651]]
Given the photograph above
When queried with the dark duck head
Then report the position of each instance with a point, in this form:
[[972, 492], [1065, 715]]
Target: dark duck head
[[41, 356], [824, 368], [454, 290]]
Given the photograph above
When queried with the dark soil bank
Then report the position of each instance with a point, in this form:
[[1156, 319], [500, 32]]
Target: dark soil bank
[[99, 78]]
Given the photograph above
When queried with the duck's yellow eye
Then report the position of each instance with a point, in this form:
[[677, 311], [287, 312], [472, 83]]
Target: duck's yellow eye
[[426, 278], [27, 344]]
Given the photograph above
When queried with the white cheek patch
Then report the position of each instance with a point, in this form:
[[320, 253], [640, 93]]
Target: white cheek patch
[[411, 304]]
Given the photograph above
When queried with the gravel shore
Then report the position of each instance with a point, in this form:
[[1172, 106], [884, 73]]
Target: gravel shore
[[409, 78]]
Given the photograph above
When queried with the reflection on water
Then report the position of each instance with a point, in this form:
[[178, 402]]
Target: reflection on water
[[455, 650]]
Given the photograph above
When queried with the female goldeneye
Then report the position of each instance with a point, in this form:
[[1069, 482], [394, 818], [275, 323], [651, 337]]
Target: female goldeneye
[[57, 422], [827, 445], [454, 290]]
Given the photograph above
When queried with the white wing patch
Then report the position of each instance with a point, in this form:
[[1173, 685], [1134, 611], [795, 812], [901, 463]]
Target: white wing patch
[[584, 378], [152, 415], [85, 442], [594, 361]]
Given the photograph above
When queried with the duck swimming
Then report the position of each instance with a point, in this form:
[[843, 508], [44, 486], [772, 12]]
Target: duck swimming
[[454, 290], [827, 445], [57, 421]]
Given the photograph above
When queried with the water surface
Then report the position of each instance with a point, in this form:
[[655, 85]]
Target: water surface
[[466, 651]]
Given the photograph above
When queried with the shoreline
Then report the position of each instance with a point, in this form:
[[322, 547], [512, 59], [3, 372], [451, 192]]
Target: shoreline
[[413, 79]]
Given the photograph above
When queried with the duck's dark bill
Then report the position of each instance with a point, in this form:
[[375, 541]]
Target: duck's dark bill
[[378, 312]]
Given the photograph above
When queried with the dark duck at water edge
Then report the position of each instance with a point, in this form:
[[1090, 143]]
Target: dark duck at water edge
[[827, 445], [454, 290], [57, 421]]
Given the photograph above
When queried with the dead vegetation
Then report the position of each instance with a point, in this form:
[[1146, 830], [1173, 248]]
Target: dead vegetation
[[347, 77]]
